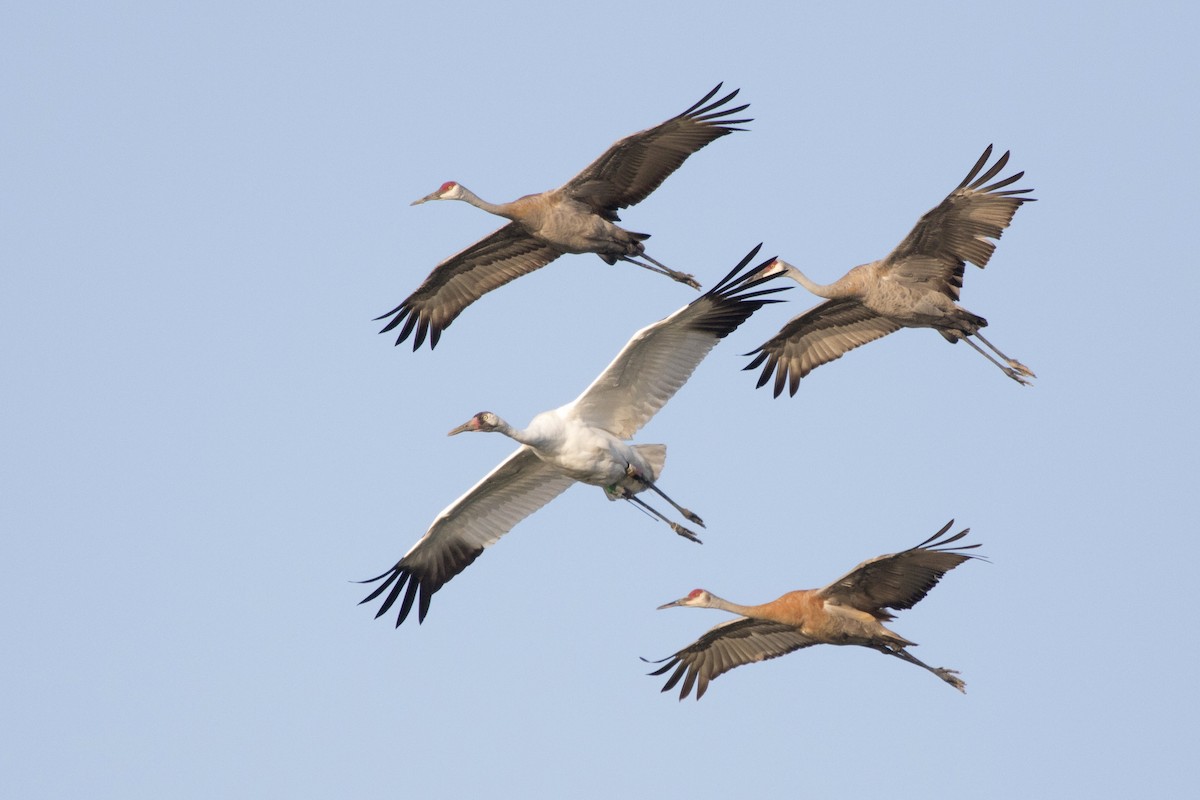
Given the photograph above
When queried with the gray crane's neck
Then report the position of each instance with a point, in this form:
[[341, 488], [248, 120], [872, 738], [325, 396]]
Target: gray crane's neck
[[827, 290], [470, 197], [733, 608]]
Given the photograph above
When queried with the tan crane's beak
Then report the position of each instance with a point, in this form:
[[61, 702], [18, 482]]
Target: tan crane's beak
[[776, 267], [671, 604], [430, 196]]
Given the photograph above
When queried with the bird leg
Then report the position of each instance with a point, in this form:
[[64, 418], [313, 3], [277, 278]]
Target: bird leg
[[675, 526], [1015, 369], [690, 516], [654, 266], [950, 676]]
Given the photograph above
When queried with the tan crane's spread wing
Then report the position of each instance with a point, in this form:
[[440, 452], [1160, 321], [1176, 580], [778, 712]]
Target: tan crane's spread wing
[[899, 580], [728, 645], [960, 229], [634, 167], [818, 336], [463, 278], [661, 357], [519, 486]]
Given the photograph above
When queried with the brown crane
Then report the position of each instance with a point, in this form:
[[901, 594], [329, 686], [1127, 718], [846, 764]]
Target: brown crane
[[851, 610], [578, 217], [915, 286]]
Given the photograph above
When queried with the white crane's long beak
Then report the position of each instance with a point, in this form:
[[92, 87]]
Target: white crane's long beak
[[678, 602], [466, 426]]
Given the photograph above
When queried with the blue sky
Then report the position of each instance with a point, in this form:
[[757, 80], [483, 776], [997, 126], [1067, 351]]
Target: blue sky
[[204, 441]]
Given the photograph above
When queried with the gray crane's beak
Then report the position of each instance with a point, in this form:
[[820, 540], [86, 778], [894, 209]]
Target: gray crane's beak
[[670, 604], [426, 198], [776, 267], [466, 426]]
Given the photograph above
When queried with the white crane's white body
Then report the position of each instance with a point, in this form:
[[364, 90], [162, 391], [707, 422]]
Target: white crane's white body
[[589, 454]]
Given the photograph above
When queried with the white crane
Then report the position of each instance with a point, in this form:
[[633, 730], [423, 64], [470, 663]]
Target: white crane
[[915, 286], [849, 611], [577, 217], [583, 441]]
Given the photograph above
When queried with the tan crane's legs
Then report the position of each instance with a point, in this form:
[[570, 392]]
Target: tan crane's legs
[[1015, 369]]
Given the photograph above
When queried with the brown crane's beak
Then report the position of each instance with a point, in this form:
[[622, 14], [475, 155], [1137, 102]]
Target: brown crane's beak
[[670, 604], [466, 426]]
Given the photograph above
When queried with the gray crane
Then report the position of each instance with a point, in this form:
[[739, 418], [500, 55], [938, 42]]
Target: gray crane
[[915, 286]]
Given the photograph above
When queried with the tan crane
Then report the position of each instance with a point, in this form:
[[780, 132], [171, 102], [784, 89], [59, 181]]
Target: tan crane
[[578, 217], [583, 441], [851, 610], [915, 286]]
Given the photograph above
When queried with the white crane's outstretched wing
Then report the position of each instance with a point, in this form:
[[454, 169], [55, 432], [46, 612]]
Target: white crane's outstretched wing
[[661, 357], [521, 485], [728, 645], [959, 229], [899, 580]]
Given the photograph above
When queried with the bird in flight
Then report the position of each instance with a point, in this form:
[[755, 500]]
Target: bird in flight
[[849, 611], [578, 217], [583, 441], [915, 286]]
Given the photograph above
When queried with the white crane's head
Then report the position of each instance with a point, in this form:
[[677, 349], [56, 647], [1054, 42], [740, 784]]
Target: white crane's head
[[697, 598], [483, 421], [447, 191]]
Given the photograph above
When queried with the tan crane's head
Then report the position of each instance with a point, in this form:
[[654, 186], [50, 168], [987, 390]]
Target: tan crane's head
[[483, 421], [697, 598], [447, 191]]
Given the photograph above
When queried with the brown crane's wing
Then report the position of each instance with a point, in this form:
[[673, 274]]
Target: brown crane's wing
[[899, 580], [635, 166], [819, 335], [522, 484], [463, 278], [728, 645], [960, 229], [660, 358]]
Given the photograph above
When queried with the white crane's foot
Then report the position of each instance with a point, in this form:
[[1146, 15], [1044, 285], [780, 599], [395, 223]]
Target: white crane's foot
[[692, 517], [685, 533], [950, 676]]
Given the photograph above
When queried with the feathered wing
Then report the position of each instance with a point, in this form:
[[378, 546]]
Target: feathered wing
[[634, 167], [728, 645], [818, 336], [661, 357], [463, 278], [899, 580], [960, 229], [519, 486]]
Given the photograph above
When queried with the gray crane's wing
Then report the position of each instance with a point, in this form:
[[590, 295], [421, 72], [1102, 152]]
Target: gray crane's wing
[[959, 229], [728, 645], [463, 278], [635, 166], [661, 357], [818, 336], [521, 485], [899, 580]]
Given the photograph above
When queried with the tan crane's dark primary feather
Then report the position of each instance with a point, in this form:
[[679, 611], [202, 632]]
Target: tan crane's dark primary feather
[[818, 336], [463, 278], [635, 166], [960, 228], [728, 645], [520, 485], [899, 580]]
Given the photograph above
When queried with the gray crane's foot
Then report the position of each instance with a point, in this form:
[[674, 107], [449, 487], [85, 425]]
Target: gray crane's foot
[[683, 277], [692, 517], [950, 676], [1021, 368], [1018, 376], [685, 533]]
